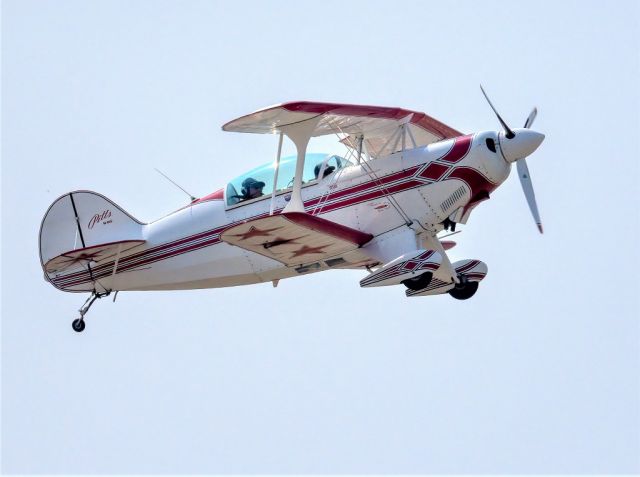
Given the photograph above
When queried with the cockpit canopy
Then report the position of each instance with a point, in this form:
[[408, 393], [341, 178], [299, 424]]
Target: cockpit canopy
[[259, 181]]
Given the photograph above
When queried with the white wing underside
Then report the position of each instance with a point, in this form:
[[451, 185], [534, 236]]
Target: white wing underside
[[376, 124], [295, 238]]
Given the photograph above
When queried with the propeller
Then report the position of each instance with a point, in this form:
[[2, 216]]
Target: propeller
[[521, 162], [525, 177], [527, 187], [531, 118], [508, 132]]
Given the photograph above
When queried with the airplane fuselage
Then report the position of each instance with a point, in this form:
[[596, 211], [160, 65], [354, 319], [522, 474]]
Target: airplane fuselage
[[418, 188]]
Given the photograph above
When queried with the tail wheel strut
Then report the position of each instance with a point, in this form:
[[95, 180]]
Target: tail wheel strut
[[78, 324]]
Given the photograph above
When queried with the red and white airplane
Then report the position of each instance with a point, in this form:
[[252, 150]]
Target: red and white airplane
[[408, 177]]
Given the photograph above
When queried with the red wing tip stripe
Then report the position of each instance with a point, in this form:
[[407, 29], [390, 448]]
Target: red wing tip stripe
[[468, 266], [328, 227]]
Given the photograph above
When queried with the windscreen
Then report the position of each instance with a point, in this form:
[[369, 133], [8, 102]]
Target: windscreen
[[258, 182]]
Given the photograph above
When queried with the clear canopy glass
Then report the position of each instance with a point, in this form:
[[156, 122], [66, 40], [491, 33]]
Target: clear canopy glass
[[258, 182]]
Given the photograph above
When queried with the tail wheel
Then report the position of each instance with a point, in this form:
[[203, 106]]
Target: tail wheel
[[78, 325], [419, 282], [464, 290]]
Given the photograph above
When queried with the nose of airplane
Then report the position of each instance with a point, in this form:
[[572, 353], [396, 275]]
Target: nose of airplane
[[523, 143]]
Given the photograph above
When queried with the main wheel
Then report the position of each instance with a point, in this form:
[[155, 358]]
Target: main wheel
[[78, 325], [464, 290], [419, 282]]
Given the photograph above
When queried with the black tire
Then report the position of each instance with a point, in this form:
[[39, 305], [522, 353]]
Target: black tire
[[419, 282], [78, 325], [464, 290]]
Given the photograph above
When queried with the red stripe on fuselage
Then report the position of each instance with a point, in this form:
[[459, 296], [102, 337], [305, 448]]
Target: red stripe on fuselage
[[396, 176], [434, 171], [461, 147], [474, 179]]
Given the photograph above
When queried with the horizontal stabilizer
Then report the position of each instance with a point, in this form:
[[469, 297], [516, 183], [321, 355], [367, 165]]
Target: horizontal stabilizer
[[295, 238], [407, 266], [82, 256]]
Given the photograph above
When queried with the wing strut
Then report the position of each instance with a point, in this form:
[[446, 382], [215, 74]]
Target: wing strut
[[299, 133], [369, 170], [360, 139], [115, 268], [275, 175]]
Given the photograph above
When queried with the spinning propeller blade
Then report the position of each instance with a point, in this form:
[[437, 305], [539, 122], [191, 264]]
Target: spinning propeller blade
[[508, 132], [525, 177], [527, 187], [531, 118], [521, 164]]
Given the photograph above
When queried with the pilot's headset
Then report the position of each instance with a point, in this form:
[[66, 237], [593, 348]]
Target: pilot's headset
[[327, 170], [247, 183]]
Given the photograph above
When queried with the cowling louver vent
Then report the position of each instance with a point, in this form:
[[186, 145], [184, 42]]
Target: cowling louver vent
[[453, 198]]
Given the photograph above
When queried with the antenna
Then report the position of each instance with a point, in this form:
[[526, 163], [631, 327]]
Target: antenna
[[167, 177]]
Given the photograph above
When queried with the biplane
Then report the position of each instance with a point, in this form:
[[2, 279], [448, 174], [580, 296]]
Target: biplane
[[379, 208]]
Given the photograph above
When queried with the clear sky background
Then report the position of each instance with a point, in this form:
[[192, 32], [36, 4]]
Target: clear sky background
[[539, 372]]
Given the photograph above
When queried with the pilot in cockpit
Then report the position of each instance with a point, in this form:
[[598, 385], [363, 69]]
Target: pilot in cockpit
[[251, 188], [327, 170]]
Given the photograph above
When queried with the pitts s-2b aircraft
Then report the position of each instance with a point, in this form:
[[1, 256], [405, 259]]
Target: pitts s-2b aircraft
[[408, 178]]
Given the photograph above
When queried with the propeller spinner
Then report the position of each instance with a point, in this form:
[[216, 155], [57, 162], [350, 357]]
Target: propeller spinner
[[516, 146]]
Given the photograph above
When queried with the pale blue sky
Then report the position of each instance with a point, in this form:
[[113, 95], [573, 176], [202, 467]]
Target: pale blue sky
[[538, 373]]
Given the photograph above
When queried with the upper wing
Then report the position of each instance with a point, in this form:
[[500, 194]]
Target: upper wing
[[295, 238], [377, 124]]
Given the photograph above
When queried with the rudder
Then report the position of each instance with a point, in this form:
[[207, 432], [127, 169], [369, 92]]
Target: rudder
[[82, 227]]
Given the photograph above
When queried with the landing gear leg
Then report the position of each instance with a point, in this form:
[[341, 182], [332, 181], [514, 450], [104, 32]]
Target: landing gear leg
[[78, 324], [449, 224]]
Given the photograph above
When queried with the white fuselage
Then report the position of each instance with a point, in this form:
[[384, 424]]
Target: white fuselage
[[427, 184]]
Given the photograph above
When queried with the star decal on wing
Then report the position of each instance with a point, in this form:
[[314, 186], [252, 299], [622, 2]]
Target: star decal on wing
[[305, 250], [65, 261], [255, 232], [295, 238], [280, 241], [89, 257]]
